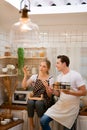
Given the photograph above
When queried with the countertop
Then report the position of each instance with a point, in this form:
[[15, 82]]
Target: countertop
[[11, 124]]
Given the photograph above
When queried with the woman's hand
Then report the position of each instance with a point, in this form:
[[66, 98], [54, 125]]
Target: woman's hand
[[45, 82], [49, 89], [26, 71], [26, 75]]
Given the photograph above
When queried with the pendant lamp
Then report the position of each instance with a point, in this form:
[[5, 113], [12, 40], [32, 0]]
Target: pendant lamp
[[24, 33]]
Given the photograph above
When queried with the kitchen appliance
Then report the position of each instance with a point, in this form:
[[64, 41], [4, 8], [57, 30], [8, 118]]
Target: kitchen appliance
[[20, 97]]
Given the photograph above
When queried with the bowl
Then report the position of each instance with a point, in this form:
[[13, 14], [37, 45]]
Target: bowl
[[4, 70], [3, 122], [15, 118], [8, 120]]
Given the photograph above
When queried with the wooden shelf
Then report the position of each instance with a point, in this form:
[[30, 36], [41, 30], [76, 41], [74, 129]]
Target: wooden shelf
[[8, 57], [11, 124], [8, 75], [14, 107], [15, 57], [34, 58]]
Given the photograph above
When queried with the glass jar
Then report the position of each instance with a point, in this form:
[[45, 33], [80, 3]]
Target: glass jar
[[42, 52], [7, 51], [35, 52], [34, 70]]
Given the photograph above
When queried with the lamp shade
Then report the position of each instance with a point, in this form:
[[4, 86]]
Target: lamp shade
[[24, 33]]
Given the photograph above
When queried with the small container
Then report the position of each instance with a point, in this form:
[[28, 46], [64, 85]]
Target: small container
[[4, 70], [65, 85], [7, 51], [34, 52], [0, 68], [4, 122], [25, 52], [8, 120], [34, 70], [68, 85], [42, 52], [15, 118]]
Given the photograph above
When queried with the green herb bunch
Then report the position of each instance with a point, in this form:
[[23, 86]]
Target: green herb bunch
[[20, 60]]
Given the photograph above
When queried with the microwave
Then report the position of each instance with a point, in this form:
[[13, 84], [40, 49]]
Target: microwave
[[20, 97]]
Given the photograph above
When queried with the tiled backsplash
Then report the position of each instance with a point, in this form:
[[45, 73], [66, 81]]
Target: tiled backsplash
[[70, 41], [4, 41]]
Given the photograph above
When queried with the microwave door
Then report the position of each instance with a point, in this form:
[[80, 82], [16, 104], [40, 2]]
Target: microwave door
[[20, 98]]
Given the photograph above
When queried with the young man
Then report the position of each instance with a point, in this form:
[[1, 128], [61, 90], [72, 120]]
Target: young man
[[66, 109]]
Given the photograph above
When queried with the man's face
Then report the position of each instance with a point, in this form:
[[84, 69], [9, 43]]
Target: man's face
[[60, 66]]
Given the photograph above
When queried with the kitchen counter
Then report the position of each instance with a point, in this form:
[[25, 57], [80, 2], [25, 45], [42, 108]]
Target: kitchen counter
[[11, 124], [81, 120]]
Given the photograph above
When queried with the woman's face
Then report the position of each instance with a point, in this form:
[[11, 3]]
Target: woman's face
[[43, 67]]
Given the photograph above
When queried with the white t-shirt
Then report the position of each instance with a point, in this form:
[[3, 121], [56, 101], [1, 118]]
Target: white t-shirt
[[73, 77]]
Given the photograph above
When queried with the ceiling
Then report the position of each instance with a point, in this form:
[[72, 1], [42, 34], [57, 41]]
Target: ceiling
[[7, 14], [43, 3], [10, 15], [50, 6]]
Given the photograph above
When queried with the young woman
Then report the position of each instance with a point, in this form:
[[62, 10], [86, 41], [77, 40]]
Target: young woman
[[41, 84]]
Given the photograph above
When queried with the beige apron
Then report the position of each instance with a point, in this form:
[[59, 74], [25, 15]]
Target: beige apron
[[65, 110]]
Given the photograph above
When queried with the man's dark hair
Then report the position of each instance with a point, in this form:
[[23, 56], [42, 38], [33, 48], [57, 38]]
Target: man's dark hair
[[64, 59]]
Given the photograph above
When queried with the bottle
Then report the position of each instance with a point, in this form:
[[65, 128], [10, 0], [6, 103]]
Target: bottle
[[42, 52], [34, 70], [7, 51]]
